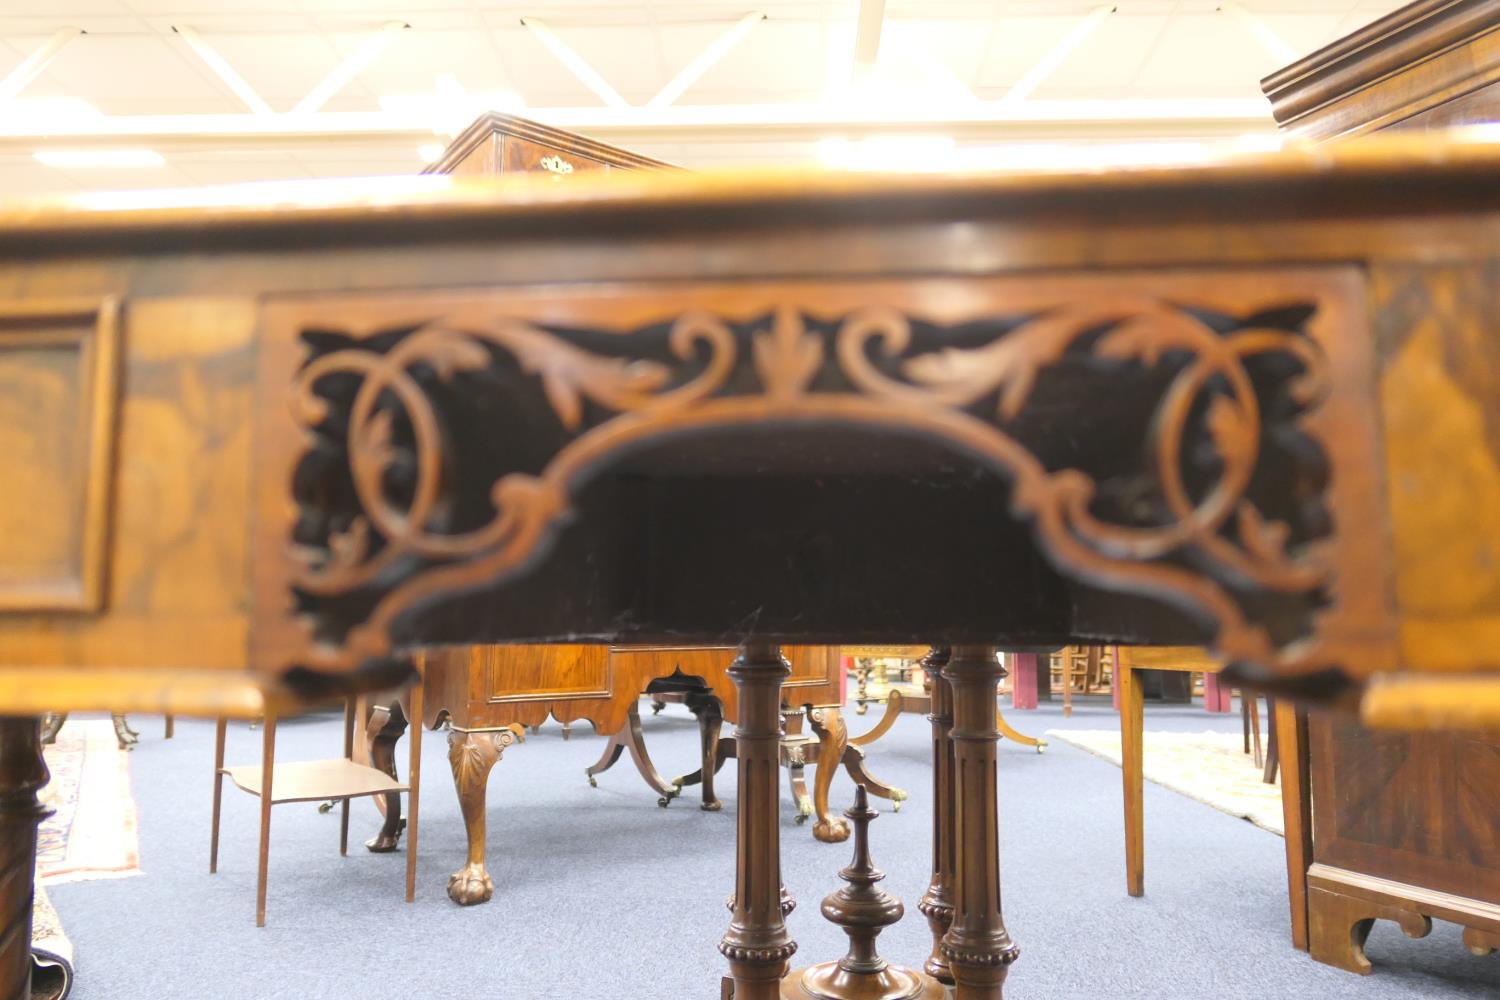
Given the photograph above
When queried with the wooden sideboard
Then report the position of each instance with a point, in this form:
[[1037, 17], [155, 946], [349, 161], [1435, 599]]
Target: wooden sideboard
[[1384, 825], [333, 428]]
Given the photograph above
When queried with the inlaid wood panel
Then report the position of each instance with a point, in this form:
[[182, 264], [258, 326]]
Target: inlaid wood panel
[[59, 377], [1412, 808]]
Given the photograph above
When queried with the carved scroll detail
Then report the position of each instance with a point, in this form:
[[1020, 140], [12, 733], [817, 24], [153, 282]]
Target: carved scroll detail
[[865, 369]]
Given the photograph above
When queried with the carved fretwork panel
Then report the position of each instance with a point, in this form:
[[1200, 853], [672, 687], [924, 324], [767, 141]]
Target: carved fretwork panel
[[1178, 438], [59, 378]]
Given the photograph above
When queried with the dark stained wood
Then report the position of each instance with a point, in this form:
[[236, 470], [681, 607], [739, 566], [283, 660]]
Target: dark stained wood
[[1432, 64], [23, 773], [757, 943], [862, 910], [977, 946], [496, 143], [937, 902]]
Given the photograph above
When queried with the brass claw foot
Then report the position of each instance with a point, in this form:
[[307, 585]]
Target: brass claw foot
[[470, 885]]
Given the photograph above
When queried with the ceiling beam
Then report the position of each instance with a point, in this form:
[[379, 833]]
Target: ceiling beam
[[987, 121], [1044, 66], [351, 67], [868, 28], [223, 70], [705, 60], [576, 64], [1272, 42], [33, 65]]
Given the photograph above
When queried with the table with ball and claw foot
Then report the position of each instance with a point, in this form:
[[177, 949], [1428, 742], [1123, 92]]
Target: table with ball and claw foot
[[276, 452]]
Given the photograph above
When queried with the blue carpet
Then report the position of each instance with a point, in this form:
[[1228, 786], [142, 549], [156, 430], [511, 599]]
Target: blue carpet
[[600, 893]]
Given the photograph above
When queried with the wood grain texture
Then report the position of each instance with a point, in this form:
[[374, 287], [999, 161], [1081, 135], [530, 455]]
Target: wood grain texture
[[1432, 63], [59, 381], [23, 773]]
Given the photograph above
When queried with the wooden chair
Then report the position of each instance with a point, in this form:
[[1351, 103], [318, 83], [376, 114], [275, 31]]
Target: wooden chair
[[334, 780], [1129, 661]]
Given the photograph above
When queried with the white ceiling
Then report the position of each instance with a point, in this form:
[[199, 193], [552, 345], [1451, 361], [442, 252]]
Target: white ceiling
[[130, 63]]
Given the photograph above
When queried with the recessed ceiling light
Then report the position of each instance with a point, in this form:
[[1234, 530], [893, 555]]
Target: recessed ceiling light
[[68, 158]]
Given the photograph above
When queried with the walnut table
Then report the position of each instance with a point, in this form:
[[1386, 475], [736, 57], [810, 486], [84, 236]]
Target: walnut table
[[259, 454]]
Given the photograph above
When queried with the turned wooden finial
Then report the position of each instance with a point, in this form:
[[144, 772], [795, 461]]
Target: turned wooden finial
[[863, 910]]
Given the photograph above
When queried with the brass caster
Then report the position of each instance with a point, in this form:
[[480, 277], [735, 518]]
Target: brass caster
[[593, 782], [1041, 746], [711, 807], [802, 818], [666, 800], [897, 797], [325, 807]]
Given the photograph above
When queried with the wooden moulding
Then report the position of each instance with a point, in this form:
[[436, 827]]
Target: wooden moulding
[[59, 363], [1343, 905], [1426, 54], [494, 127]]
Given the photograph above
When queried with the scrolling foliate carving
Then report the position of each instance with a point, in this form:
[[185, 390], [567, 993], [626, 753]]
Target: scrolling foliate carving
[[389, 516]]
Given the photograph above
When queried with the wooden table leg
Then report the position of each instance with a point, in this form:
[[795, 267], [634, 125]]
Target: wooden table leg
[[385, 724], [1132, 768], [1015, 736], [833, 739], [472, 754], [978, 947], [757, 943], [1296, 813], [937, 903], [710, 723], [631, 737], [23, 773]]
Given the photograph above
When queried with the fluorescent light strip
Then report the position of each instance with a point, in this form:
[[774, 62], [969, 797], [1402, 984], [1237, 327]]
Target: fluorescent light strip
[[73, 158]]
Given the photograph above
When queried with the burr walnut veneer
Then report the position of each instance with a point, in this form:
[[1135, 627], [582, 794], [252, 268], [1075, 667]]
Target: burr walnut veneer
[[1248, 406], [1383, 825]]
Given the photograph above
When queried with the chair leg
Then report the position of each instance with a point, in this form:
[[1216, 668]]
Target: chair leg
[[1249, 698], [349, 713], [1132, 768], [267, 770], [414, 790], [213, 836]]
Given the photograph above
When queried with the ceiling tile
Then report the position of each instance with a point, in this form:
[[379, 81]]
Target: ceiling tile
[[103, 69], [416, 57], [281, 68], [772, 59]]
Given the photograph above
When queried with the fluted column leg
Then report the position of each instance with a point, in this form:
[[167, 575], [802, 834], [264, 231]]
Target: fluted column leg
[[977, 946], [23, 773], [757, 943], [937, 903]]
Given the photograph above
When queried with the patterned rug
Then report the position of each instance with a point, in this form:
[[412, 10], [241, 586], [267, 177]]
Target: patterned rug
[[1210, 767], [51, 952], [91, 833]]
